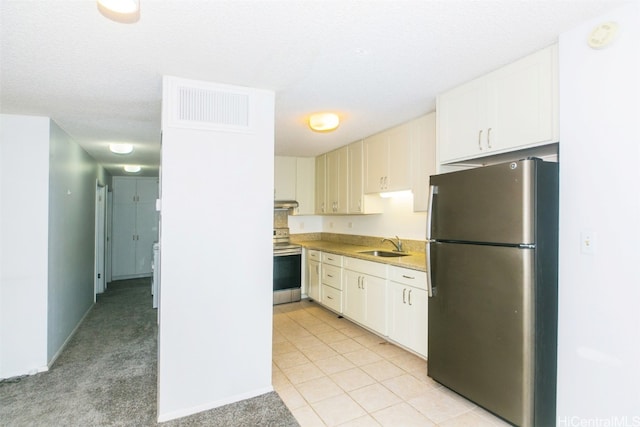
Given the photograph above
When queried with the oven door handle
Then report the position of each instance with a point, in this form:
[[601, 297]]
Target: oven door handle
[[288, 253]]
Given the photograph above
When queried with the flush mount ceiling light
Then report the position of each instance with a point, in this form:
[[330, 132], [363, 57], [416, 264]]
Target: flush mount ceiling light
[[132, 168], [323, 122], [121, 148], [123, 11]]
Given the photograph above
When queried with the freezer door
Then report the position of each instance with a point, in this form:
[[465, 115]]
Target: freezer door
[[480, 338], [489, 204]]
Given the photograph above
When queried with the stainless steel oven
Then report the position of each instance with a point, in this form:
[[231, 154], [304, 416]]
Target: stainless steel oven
[[287, 268]]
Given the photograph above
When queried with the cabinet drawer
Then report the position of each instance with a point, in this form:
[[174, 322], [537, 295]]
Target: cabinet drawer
[[367, 267], [406, 276], [332, 259], [314, 255], [332, 298], [332, 276]]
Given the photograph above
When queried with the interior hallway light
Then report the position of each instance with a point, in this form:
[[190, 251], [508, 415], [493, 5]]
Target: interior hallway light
[[323, 122], [124, 11], [121, 148], [132, 168]]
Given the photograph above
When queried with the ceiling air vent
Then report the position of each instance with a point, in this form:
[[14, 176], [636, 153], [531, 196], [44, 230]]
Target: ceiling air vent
[[201, 105]]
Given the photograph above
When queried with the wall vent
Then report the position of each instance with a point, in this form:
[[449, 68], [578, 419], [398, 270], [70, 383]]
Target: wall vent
[[202, 105]]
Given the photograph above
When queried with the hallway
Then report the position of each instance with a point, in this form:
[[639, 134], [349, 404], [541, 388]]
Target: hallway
[[106, 376]]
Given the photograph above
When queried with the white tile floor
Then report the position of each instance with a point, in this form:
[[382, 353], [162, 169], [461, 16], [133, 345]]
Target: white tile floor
[[331, 372]]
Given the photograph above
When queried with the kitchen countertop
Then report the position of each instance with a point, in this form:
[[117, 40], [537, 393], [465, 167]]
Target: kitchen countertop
[[414, 261]]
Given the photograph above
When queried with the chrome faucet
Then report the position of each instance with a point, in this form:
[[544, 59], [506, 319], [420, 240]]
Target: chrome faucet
[[398, 245]]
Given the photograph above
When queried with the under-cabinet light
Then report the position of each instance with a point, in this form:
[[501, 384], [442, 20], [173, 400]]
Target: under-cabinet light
[[402, 193]]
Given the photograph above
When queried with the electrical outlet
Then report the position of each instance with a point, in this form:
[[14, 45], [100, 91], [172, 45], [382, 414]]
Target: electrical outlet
[[302, 226], [350, 225], [588, 242]]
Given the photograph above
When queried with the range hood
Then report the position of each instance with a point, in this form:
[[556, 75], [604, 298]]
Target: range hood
[[285, 204]]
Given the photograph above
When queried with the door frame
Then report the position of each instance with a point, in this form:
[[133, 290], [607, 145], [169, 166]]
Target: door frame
[[99, 279]]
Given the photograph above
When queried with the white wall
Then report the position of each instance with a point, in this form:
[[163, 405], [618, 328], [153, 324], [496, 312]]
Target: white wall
[[599, 293], [24, 193], [398, 219], [47, 200], [217, 265], [72, 189]]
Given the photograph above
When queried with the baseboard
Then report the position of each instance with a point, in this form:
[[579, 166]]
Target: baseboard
[[201, 408], [66, 342]]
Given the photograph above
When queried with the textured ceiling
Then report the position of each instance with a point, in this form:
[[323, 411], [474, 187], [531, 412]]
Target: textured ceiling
[[376, 63]]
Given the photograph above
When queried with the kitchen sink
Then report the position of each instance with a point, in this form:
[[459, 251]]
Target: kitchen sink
[[386, 254]]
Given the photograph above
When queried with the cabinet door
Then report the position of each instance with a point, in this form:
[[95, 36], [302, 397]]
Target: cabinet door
[[461, 119], [313, 290], [398, 175], [408, 317], [356, 182], [354, 296], [375, 289], [417, 306], [305, 185], [521, 110], [399, 315], [284, 178], [375, 162], [337, 172], [146, 236], [124, 190], [424, 159], [321, 184], [123, 247], [146, 190]]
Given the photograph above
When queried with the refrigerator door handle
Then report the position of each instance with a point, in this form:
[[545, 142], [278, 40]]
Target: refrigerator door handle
[[430, 287], [433, 190]]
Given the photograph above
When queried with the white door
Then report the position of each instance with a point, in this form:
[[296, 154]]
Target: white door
[[100, 231]]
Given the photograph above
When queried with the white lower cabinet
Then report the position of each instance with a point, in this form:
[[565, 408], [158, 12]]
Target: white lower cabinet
[[365, 288], [313, 275], [407, 308], [389, 300], [331, 289]]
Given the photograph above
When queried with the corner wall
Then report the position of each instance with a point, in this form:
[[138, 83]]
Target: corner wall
[[599, 292], [24, 194], [217, 264]]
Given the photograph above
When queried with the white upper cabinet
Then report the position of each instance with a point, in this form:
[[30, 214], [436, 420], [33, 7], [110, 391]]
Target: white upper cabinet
[[135, 226], [321, 185], [294, 179], [513, 108], [387, 160], [424, 158], [336, 180], [359, 202], [305, 185], [284, 178]]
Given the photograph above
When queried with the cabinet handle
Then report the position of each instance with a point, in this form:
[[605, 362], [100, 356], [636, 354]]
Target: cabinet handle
[[329, 297], [489, 138], [408, 277], [409, 296], [328, 275], [362, 283], [404, 299], [480, 139]]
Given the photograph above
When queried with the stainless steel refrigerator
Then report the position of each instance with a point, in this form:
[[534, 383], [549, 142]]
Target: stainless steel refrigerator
[[492, 268]]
